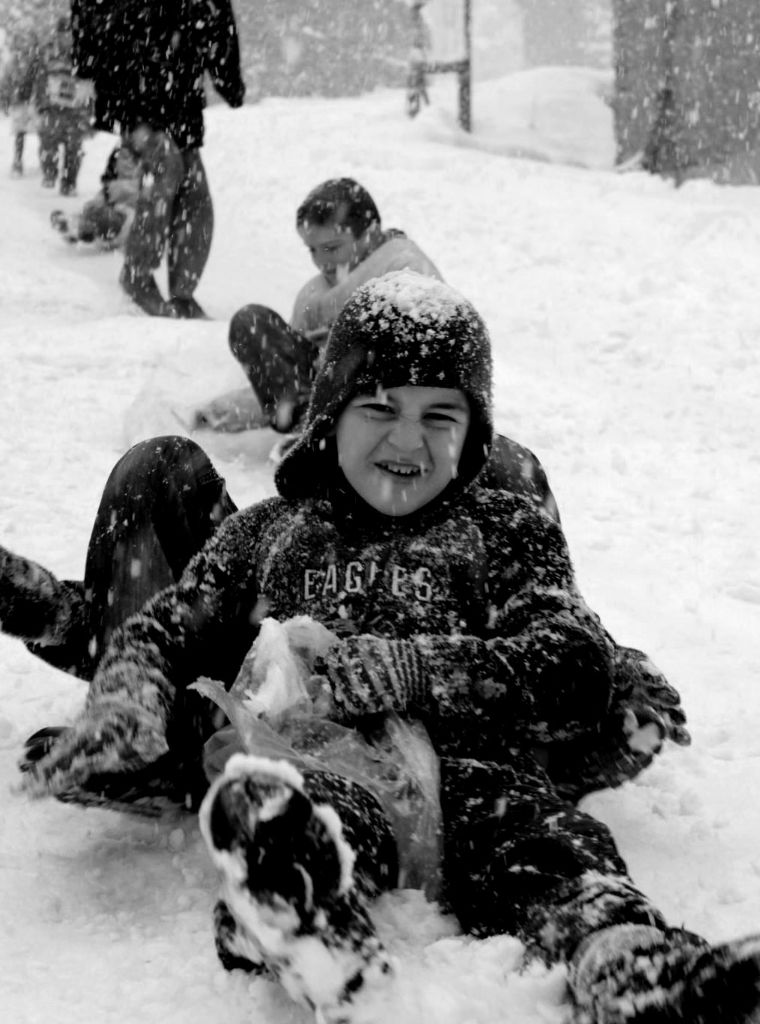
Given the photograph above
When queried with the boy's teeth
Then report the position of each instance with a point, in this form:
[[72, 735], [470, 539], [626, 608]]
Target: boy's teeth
[[400, 470]]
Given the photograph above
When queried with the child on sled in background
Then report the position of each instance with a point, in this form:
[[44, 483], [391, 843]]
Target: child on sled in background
[[106, 219], [340, 225], [457, 607]]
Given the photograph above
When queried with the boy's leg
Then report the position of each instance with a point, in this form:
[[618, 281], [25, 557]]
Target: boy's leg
[[518, 859], [299, 857], [190, 234], [521, 860], [278, 361], [511, 467], [161, 502]]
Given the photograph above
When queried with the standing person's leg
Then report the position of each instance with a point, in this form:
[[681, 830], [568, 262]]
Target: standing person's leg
[[73, 151], [161, 503], [278, 361], [190, 234], [163, 171], [18, 153], [49, 142]]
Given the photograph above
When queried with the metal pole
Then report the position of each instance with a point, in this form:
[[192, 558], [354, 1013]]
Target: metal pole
[[465, 75]]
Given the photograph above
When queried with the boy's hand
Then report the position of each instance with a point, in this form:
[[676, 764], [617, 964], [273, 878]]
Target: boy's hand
[[318, 334], [369, 674], [651, 707], [109, 738]]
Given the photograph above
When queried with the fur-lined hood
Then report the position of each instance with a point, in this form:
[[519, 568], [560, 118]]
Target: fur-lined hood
[[399, 329]]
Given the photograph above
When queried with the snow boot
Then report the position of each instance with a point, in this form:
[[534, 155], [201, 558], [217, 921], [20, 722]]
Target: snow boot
[[289, 904], [141, 287], [188, 309], [637, 974]]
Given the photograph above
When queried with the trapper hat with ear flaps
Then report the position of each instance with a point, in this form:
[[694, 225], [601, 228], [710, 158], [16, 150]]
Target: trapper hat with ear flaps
[[399, 329]]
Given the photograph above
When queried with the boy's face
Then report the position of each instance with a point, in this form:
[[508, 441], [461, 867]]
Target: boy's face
[[400, 448], [333, 248]]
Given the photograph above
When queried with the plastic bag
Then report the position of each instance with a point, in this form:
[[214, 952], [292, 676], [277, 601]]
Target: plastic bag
[[275, 711]]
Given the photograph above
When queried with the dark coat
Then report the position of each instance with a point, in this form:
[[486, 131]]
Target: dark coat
[[148, 62], [475, 588]]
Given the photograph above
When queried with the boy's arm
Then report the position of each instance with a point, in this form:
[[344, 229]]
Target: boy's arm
[[398, 253], [200, 626], [305, 315], [317, 305]]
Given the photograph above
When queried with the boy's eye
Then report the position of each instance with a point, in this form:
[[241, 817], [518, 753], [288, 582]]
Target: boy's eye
[[440, 418], [378, 411]]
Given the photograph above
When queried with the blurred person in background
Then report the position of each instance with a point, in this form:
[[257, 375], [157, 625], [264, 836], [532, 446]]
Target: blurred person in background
[[65, 108], [148, 67], [17, 91]]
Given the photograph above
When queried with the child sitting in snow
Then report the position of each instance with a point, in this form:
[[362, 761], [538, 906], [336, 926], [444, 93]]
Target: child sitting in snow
[[340, 225], [455, 605], [106, 219]]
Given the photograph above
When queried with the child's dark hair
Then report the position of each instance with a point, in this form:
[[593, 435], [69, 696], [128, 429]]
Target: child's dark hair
[[342, 201]]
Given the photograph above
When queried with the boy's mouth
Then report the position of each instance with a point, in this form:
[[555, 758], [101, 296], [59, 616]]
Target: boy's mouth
[[404, 470]]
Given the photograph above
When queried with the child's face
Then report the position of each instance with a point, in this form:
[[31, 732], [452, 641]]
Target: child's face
[[400, 448], [333, 248]]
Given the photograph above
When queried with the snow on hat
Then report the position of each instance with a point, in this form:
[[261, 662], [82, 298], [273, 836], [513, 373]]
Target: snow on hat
[[403, 328]]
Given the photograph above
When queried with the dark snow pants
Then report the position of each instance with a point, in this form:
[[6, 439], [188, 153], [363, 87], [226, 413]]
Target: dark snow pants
[[162, 501], [174, 208], [64, 129], [279, 362], [516, 858]]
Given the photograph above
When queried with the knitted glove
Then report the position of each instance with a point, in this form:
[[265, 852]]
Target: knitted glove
[[106, 738], [651, 707], [369, 674]]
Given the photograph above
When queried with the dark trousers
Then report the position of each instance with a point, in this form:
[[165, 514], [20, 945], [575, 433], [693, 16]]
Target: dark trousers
[[162, 501], [61, 129], [516, 858], [174, 210], [279, 362]]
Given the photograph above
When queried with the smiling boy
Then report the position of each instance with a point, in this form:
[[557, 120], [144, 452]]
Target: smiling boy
[[502, 653], [399, 448]]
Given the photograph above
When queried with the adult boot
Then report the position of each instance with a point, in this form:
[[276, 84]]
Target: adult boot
[[141, 287]]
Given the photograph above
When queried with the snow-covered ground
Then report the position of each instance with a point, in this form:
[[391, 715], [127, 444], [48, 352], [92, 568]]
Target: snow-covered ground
[[625, 321]]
